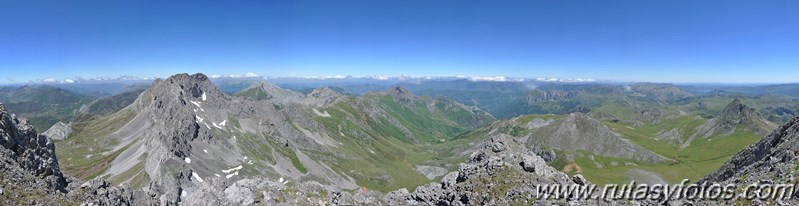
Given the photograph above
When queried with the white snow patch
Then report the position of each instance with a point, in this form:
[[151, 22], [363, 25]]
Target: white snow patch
[[373, 152], [203, 96], [188, 160], [280, 180], [245, 157], [206, 125], [286, 182], [231, 175], [206, 151], [232, 169], [196, 176], [215, 125], [217, 175], [200, 119], [223, 123], [198, 105], [183, 193]]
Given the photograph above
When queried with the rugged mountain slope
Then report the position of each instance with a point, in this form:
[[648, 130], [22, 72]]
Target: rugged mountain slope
[[28, 165], [30, 174], [773, 159], [182, 131], [735, 117]]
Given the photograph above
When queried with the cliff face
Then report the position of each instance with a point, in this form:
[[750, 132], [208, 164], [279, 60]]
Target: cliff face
[[25, 152]]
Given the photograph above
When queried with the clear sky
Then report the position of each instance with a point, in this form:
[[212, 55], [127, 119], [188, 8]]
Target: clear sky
[[652, 40]]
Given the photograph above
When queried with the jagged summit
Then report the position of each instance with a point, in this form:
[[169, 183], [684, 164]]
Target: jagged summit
[[323, 96], [401, 94], [736, 115]]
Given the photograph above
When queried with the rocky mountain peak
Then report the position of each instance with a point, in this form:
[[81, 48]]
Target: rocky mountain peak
[[324, 96], [401, 94], [736, 113]]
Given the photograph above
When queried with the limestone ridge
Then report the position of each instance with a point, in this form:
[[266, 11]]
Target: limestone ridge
[[735, 115], [773, 159], [323, 97], [24, 148], [167, 111], [166, 102]]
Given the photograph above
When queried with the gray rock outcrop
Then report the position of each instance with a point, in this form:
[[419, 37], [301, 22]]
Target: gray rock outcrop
[[59, 131]]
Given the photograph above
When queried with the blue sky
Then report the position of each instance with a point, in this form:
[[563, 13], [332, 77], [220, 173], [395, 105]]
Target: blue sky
[[660, 41]]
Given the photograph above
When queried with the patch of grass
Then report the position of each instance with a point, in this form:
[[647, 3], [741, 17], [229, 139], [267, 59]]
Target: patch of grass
[[80, 155], [701, 158], [254, 94]]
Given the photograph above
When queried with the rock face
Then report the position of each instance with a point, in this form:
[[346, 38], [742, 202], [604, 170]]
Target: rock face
[[59, 131], [735, 116], [23, 148], [771, 160], [322, 97], [401, 95], [29, 173], [672, 136]]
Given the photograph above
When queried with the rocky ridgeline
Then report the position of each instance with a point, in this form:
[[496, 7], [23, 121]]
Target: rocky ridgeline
[[27, 162], [31, 175], [774, 159]]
